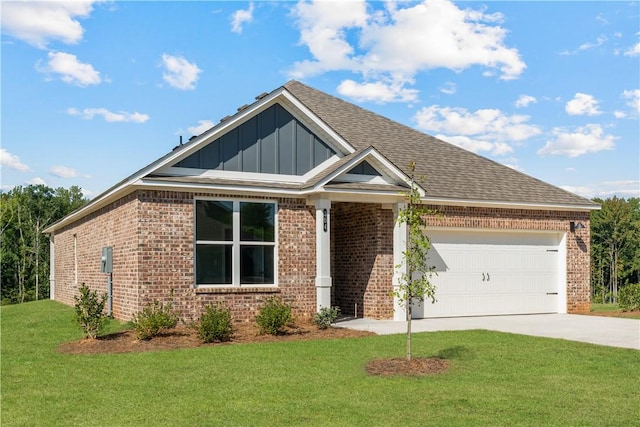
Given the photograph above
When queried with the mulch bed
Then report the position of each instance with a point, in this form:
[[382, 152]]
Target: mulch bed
[[183, 337], [401, 366]]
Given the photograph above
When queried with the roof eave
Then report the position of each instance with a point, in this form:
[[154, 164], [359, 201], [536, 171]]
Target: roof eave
[[441, 201]]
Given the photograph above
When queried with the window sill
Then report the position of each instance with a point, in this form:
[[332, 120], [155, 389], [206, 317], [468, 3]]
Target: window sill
[[237, 290]]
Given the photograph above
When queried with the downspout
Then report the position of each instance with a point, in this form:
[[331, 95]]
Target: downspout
[[52, 267]]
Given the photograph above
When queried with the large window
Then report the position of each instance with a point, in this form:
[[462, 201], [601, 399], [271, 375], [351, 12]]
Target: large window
[[235, 243]]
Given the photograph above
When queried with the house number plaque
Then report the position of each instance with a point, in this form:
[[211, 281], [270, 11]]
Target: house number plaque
[[324, 220]]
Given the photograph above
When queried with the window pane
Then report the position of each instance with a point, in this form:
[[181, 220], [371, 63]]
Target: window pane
[[256, 265], [214, 220], [257, 222], [213, 264]]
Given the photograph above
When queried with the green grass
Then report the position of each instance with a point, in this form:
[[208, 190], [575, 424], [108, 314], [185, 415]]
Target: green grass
[[612, 309], [494, 379]]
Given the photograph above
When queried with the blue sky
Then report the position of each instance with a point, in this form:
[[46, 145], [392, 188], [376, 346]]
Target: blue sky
[[93, 91]]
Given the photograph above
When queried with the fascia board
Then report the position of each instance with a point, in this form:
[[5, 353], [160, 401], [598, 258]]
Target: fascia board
[[195, 187], [507, 205]]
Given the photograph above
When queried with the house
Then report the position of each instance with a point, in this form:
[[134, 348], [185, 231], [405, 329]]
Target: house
[[296, 195]]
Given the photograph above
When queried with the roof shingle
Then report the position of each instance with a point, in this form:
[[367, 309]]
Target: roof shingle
[[451, 172]]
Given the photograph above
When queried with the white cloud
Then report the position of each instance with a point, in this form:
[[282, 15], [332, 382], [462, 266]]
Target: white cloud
[[203, 125], [605, 189], [590, 45], [585, 139], [483, 125], [180, 73], [37, 23], [240, 17], [322, 28], [619, 114], [36, 181], [525, 100], [70, 69], [63, 172], [120, 116], [12, 161], [377, 91], [477, 145], [634, 99], [392, 45], [633, 50], [582, 104], [449, 88]]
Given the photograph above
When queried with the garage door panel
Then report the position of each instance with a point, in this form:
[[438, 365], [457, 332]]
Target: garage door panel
[[487, 273]]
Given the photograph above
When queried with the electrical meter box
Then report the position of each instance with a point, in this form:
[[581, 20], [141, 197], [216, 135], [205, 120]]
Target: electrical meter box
[[106, 261]]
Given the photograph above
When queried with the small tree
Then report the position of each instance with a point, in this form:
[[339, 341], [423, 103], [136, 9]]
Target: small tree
[[89, 311], [415, 280]]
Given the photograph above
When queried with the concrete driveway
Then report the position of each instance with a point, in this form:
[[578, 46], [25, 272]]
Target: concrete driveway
[[610, 331]]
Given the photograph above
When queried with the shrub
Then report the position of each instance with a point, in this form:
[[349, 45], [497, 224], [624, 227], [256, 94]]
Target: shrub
[[89, 311], [629, 297], [273, 316], [215, 324], [154, 319], [326, 316]]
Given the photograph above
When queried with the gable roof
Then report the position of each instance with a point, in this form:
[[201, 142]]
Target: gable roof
[[452, 173]]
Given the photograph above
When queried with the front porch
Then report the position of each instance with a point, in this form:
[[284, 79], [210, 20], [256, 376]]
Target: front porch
[[358, 252]]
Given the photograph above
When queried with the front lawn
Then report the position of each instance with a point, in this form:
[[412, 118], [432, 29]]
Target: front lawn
[[494, 379]]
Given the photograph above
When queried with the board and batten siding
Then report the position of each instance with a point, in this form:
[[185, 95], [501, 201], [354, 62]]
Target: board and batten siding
[[272, 142]]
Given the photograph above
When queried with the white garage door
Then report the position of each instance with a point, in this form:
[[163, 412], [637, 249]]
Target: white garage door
[[492, 273]]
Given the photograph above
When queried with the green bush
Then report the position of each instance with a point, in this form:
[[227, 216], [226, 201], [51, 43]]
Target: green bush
[[273, 316], [154, 319], [215, 324], [629, 297], [326, 316], [89, 311]]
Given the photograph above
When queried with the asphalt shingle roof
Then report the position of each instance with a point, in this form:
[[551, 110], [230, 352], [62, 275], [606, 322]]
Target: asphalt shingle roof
[[452, 172]]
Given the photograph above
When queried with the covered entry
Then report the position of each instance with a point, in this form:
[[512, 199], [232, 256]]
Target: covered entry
[[496, 272]]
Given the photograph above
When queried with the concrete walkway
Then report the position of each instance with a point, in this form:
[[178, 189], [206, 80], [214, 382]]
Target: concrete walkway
[[610, 331]]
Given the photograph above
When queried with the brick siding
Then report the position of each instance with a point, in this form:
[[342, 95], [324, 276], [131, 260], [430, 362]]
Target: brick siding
[[115, 225], [362, 267], [151, 233]]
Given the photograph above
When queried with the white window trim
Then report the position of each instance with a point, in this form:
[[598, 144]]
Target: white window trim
[[236, 244]]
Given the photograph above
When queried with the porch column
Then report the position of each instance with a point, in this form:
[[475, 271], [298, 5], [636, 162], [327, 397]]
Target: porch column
[[399, 246], [323, 253]]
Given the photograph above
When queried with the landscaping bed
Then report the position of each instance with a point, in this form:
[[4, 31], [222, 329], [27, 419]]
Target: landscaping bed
[[183, 337]]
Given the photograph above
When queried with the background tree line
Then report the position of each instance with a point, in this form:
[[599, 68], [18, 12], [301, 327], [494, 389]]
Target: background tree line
[[24, 250], [26, 211], [615, 247]]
